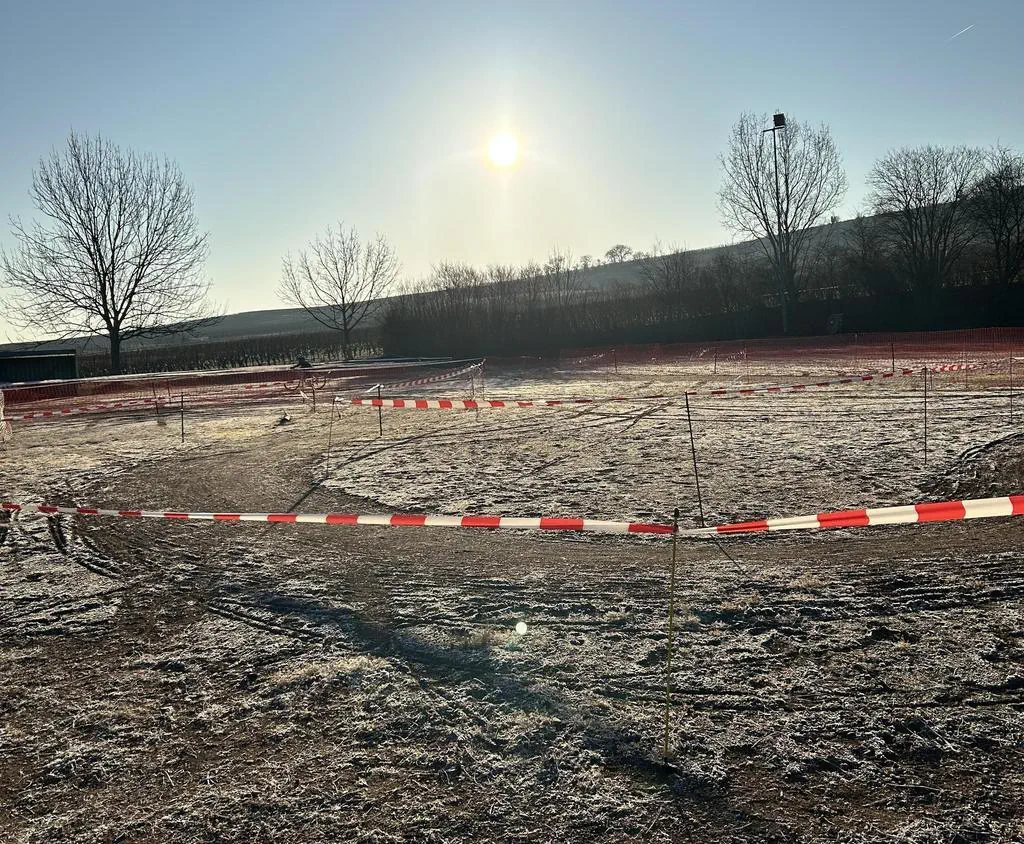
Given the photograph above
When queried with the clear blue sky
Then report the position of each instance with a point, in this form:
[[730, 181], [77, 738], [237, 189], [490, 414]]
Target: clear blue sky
[[288, 116]]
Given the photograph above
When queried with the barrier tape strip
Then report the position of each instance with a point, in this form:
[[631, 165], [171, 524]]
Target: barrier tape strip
[[474, 404], [200, 397], [91, 408], [939, 511], [387, 520], [443, 376]]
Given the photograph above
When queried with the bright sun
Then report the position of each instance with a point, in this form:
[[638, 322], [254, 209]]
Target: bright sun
[[503, 150]]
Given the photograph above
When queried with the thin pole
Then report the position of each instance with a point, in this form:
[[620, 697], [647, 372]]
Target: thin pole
[[714, 371], [312, 387], [615, 360], [892, 353], [671, 619], [380, 414], [182, 406], [965, 367], [778, 231], [693, 451], [926, 416], [1011, 385], [330, 434], [482, 363]]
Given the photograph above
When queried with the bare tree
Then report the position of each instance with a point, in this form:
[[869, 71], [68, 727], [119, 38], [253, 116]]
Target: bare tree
[[867, 260], [618, 253], [672, 282], [923, 195], [998, 211], [118, 253], [779, 211], [339, 280]]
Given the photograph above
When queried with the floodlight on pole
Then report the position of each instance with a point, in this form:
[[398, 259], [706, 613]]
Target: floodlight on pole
[[779, 122]]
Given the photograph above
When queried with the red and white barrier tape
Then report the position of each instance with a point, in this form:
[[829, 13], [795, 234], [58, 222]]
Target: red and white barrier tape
[[800, 388], [392, 520], [90, 408], [474, 404], [955, 367], [940, 511], [442, 376]]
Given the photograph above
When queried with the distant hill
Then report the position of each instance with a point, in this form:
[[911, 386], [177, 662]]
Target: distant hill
[[282, 321]]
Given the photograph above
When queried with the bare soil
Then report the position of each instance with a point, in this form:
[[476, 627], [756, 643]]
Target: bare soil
[[292, 683]]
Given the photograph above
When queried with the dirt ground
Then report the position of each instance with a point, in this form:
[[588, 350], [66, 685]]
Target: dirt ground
[[290, 683]]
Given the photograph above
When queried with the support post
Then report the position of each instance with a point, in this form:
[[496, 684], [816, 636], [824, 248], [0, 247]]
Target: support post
[[714, 370], [615, 360], [182, 410], [380, 414], [693, 452], [926, 416], [330, 434], [671, 621], [892, 355], [1011, 385]]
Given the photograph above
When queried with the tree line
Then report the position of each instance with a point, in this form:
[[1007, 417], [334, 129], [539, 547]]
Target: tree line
[[942, 245], [267, 350], [117, 253]]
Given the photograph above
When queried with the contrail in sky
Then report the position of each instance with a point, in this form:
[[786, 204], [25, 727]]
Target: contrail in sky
[[962, 31]]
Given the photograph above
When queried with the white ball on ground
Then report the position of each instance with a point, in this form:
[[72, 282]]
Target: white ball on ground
[[521, 628]]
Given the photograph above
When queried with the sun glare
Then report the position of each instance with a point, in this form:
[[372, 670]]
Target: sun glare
[[503, 150]]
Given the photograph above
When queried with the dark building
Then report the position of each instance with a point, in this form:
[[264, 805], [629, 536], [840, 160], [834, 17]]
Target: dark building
[[37, 365]]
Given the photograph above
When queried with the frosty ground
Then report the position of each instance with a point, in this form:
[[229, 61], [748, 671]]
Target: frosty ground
[[231, 682]]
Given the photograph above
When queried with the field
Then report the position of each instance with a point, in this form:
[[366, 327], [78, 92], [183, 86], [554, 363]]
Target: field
[[291, 683]]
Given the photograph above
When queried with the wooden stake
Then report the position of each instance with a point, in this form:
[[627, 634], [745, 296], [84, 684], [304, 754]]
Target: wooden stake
[[380, 414], [926, 416], [330, 433], [1011, 385], [182, 406], [693, 452], [892, 354], [671, 620]]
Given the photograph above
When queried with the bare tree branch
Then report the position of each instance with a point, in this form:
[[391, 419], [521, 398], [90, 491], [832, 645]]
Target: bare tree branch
[[923, 195], [779, 213], [117, 254], [339, 280], [997, 207]]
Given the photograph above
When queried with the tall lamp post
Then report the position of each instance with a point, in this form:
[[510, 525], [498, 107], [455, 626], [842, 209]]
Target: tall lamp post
[[779, 122]]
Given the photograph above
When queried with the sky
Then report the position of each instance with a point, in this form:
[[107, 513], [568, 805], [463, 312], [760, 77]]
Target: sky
[[288, 117]]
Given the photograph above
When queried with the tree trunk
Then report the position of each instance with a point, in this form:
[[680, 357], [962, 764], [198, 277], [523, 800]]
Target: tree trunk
[[115, 353]]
